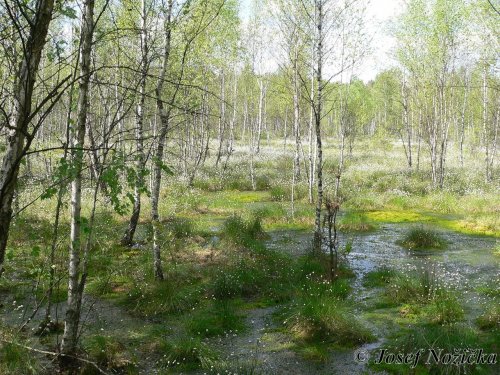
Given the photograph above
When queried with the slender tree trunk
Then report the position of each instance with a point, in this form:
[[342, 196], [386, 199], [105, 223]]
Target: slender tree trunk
[[222, 119], [75, 285], [296, 125], [20, 117], [260, 116], [164, 114], [311, 131], [318, 107], [128, 237]]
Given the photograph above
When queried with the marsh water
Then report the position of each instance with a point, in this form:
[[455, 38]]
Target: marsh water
[[467, 262]]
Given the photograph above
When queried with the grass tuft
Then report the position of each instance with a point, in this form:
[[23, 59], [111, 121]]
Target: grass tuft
[[422, 239]]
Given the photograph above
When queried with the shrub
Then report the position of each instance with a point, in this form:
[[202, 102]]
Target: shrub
[[420, 238]]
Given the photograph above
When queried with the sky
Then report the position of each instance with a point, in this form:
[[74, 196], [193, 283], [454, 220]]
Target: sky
[[379, 13]]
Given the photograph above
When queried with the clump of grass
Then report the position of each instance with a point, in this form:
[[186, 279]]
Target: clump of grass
[[218, 319], [240, 367], [242, 280], [245, 233], [187, 354], [445, 309], [319, 315], [14, 359], [423, 294], [179, 227], [283, 192], [490, 319], [156, 299], [414, 287], [107, 352], [265, 274], [379, 277], [444, 338], [422, 238]]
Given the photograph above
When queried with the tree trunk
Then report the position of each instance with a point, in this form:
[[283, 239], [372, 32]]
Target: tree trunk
[[128, 237], [164, 114], [20, 118], [319, 97], [75, 285]]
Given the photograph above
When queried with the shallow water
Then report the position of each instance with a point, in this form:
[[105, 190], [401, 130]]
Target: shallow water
[[466, 263]]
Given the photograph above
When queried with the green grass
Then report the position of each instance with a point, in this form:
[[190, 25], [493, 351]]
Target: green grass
[[217, 319], [422, 239], [15, 359], [379, 277], [186, 354], [320, 313], [448, 338], [422, 286], [490, 319], [107, 352], [356, 222]]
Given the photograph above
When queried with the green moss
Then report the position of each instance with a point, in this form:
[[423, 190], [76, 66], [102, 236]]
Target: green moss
[[356, 222], [396, 216]]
